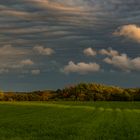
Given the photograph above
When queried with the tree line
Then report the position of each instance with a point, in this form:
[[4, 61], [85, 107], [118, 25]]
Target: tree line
[[78, 92]]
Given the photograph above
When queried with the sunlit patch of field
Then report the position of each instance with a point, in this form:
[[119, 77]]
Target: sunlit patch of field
[[69, 120]]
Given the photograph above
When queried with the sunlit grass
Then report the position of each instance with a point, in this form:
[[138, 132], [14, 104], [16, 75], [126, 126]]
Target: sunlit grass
[[69, 121]]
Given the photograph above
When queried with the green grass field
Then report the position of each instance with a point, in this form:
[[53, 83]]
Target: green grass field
[[69, 121]]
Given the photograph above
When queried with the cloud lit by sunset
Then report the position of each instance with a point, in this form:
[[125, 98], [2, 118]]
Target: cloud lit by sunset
[[68, 41]]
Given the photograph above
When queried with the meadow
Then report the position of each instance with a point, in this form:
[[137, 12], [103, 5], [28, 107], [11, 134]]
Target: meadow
[[69, 120]]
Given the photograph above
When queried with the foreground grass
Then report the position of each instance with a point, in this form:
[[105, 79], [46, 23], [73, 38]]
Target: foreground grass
[[69, 121]]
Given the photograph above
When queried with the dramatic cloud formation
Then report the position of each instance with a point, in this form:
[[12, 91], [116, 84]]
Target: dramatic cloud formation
[[124, 63], [89, 52], [81, 68], [43, 51], [131, 31], [109, 52], [31, 31]]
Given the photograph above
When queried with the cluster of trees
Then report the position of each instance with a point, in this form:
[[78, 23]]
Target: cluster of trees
[[98, 92], [79, 92]]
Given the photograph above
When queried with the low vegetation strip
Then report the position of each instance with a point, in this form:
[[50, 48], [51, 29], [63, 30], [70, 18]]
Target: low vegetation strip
[[79, 92], [69, 120]]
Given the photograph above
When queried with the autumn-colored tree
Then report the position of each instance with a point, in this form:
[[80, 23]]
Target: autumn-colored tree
[[1, 95]]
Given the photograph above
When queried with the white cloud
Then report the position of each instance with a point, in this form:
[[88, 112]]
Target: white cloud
[[109, 52], [124, 63], [35, 72], [43, 51], [27, 62], [82, 68], [131, 31], [89, 52]]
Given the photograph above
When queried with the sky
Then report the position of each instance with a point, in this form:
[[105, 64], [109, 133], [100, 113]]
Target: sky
[[50, 44]]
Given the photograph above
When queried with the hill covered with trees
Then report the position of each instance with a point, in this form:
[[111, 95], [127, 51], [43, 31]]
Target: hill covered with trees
[[79, 92]]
